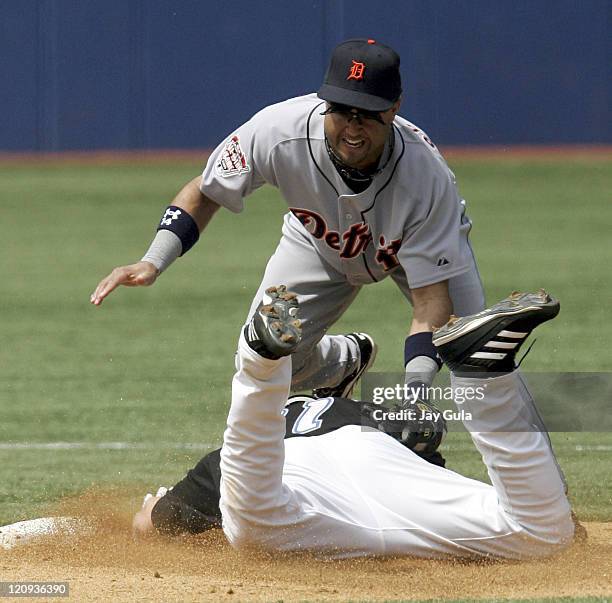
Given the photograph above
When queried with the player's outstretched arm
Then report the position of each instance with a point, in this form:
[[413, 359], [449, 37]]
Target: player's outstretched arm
[[141, 274], [180, 227], [196, 204], [432, 306]]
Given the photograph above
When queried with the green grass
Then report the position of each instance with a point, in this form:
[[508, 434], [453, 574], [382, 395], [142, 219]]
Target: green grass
[[153, 366]]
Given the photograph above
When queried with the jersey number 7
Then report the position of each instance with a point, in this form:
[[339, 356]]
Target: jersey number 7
[[310, 418]]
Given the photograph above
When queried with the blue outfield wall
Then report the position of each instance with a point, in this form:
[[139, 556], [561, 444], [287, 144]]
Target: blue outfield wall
[[133, 74]]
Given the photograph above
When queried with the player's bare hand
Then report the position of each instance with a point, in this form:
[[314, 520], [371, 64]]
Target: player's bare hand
[[141, 274], [141, 523]]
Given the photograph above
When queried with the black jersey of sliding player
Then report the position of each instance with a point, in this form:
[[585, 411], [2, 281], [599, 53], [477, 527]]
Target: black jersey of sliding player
[[192, 505]]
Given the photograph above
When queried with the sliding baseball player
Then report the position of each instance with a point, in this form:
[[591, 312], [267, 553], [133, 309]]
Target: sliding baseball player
[[319, 475], [350, 489]]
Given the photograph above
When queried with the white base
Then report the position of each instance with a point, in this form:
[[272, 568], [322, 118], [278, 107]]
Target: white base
[[24, 532]]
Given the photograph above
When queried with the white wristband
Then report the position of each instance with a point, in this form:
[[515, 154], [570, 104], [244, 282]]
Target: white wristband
[[164, 249]]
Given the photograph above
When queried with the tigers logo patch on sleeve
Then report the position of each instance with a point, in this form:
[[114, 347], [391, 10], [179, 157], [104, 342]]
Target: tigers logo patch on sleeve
[[232, 161]]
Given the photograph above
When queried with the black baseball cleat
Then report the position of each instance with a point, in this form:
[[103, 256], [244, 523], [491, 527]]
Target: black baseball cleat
[[367, 355], [487, 342], [274, 331]]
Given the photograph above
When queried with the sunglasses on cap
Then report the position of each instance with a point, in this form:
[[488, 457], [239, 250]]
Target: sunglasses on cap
[[350, 113]]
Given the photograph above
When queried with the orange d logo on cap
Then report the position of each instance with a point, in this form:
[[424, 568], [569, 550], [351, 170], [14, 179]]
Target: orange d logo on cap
[[356, 70]]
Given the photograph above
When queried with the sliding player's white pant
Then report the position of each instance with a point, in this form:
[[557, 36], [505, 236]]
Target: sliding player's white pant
[[358, 492]]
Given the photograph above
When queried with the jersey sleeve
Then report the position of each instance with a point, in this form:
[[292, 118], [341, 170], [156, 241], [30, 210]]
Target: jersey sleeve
[[436, 249], [238, 166]]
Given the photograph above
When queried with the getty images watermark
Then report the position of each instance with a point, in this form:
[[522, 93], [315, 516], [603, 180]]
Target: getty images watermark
[[398, 402], [562, 402]]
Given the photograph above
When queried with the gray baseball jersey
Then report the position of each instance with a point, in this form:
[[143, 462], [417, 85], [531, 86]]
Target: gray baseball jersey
[[411, 216]]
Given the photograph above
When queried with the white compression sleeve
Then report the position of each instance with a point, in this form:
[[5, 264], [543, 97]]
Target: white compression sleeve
[[421, 368], [164, 249]]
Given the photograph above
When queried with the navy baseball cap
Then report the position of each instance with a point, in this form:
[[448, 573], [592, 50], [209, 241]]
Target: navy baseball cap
[[364, 74]]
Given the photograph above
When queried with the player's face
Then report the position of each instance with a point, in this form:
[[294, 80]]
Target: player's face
[[358, 137]]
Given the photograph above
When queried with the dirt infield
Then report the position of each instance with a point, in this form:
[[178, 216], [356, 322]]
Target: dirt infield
[[109, 565]]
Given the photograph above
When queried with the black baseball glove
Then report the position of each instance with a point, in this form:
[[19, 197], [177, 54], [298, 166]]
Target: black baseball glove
[[418, 424]]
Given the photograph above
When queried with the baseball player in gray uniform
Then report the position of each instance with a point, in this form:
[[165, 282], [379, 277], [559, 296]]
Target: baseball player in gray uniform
[[369, 196]]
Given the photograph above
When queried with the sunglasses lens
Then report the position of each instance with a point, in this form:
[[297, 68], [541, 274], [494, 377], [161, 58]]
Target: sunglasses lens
[[342, 110], [349, 113], [372, 115]]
